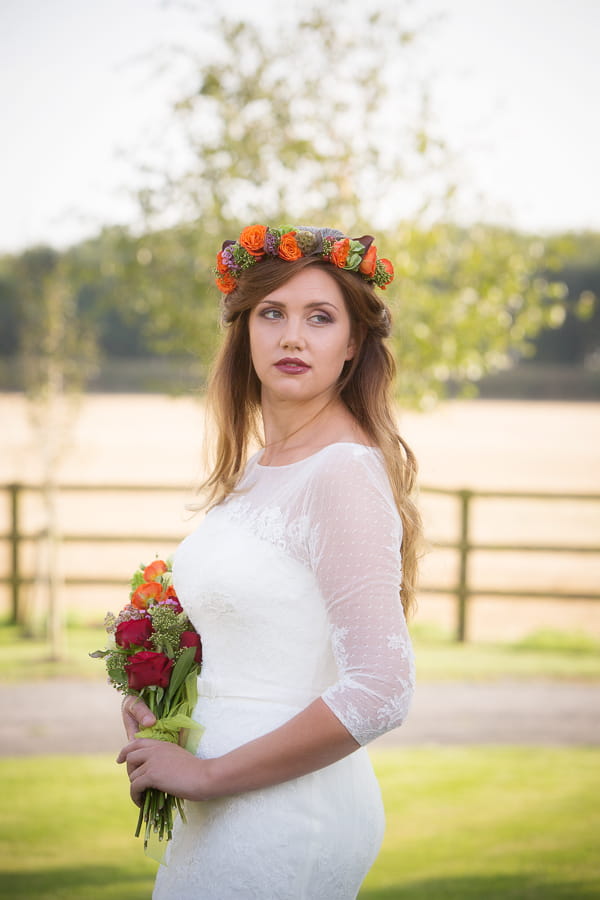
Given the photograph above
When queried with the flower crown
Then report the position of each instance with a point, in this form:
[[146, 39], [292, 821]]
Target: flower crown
[[290, 242]]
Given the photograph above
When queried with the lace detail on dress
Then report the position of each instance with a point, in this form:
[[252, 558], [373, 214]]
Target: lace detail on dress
[[293, 584], [270, 524], [338, 635], [396, 642]]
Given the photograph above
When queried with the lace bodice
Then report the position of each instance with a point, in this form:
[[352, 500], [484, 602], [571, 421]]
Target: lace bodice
[[293, 583]]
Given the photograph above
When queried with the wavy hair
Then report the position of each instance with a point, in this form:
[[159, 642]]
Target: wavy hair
[[365, 384]]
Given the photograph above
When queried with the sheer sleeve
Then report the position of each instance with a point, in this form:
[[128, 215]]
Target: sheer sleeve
[[356, 559]]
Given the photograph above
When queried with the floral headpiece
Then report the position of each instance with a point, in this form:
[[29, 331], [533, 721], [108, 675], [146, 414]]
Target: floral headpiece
[[290, 242]]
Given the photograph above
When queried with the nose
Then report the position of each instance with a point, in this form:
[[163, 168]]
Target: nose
[[292, 335]]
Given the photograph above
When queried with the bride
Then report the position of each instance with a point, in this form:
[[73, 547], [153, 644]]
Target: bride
[[299, 580]]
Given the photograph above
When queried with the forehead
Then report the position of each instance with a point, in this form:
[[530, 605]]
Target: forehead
[[309, 286]]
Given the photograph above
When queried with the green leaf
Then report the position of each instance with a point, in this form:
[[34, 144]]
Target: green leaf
[[180, 671]]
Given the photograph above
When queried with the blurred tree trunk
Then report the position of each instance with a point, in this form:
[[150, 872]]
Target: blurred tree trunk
[[56, 355]]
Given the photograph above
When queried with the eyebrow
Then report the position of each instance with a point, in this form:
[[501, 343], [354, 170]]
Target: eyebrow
[[314, 304]]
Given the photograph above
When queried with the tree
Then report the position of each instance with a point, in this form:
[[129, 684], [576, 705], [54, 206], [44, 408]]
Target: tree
[[324, 119], [57, 352], [322, 116], [467, 301]]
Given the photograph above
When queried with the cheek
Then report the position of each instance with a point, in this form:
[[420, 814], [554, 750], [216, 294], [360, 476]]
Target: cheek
[[257, 348]]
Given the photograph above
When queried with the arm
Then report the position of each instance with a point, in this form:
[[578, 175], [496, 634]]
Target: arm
[[311, 740], [358, 569], [358, 565]]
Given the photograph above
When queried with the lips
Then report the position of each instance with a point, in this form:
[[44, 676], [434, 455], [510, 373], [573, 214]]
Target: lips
[[292, 366]]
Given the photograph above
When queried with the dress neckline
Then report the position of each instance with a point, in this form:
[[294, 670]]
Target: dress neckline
[[304, 459]]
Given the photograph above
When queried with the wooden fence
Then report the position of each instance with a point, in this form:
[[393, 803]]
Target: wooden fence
[[462, 545]]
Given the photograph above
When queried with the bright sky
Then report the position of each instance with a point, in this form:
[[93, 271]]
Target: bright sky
[[517, 93]]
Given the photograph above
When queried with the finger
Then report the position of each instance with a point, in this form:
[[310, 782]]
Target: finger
[[138, 712], [135, 746], [125, 751], [140, 781]]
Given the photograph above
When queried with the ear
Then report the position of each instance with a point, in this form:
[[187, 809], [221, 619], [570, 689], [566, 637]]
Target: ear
[[351, 349]]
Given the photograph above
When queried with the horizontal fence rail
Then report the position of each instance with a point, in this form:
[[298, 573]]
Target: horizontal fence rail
[[464, 546]]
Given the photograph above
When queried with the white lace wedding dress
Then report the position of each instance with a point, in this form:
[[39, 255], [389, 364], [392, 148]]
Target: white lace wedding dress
[[293, 585]]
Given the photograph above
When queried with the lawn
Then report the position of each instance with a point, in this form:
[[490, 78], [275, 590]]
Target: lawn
[[463, 824], [544, 654]]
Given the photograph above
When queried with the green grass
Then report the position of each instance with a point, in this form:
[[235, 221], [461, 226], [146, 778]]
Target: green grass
[[28, 659], [488, 823], [463, 824], [544, 654]]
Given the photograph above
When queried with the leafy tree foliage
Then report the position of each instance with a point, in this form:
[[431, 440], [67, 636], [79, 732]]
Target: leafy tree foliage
[[320, 119], [317, 118]]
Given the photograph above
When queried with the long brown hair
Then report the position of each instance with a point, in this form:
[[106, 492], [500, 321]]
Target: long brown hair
[[365, 387]]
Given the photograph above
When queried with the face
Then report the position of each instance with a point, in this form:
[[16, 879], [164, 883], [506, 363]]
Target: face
[[300, 338]]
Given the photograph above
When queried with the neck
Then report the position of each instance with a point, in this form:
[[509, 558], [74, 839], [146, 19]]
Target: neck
[[294, 431]]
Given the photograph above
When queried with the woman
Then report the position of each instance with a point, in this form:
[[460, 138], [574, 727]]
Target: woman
[[293, 581]]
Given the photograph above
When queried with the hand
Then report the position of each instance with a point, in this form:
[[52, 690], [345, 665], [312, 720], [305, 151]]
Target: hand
[[136, 715], [165, 766]]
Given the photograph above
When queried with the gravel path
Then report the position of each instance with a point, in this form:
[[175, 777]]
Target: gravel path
[[84, 717]]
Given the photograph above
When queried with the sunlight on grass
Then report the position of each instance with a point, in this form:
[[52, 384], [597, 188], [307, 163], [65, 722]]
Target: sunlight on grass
[[545, 654], [463, 824], [469, 824]]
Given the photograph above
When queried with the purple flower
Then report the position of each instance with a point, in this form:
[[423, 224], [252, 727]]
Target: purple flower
[[271, 243]]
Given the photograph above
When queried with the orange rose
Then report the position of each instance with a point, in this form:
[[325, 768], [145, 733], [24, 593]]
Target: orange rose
[[339, 252], [226, 283], [221, 266], [252, 239], [369, 262], [150, 590], [288, 247], [389, 269], [156, 568]]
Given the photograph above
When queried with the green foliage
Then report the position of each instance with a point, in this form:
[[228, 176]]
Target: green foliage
[[55, 341], [308, 117], [343, 137], [465, 302], [551, 640], [575, 339]]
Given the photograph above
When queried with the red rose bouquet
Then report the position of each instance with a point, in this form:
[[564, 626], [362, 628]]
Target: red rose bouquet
[[155, 653]]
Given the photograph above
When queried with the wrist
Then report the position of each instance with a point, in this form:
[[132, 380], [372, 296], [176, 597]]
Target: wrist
[[207, 784]]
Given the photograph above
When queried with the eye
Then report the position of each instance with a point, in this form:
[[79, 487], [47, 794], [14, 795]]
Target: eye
[[320, 318], [271, 312]]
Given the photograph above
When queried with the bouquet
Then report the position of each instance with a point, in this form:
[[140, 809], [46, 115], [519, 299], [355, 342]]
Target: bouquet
[[155, 653]]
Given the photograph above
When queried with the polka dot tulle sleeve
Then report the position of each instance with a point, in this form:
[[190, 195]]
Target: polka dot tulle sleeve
[[356, 558]]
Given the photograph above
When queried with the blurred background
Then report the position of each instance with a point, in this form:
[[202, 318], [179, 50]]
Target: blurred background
[[138, 135]]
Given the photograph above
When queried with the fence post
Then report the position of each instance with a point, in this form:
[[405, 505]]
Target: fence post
[[15, 571], [462, 592]]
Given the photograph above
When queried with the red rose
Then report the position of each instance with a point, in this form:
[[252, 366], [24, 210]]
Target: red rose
[[134, 632], [192, 639], [147, 668], [170, 599]]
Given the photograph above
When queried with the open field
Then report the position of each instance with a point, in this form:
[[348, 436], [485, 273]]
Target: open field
[[153, 440], [463, 824]]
